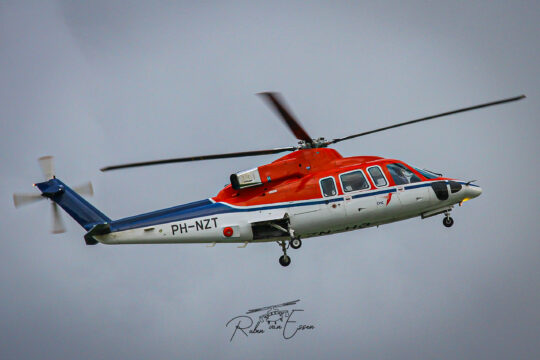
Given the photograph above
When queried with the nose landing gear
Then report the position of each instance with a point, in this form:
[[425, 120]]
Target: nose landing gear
[[448, 221]]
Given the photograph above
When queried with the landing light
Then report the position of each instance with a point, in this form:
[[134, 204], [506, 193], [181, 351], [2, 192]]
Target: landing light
[[462, 201]]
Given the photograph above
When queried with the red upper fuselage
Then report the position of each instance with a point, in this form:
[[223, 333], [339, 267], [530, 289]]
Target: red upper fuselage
[[296, 177]]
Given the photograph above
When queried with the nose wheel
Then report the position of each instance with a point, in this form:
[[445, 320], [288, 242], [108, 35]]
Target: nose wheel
[[448, 221]]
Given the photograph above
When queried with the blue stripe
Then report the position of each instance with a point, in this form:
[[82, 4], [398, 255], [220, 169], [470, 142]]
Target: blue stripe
[[417, 186], [176, 213], [373, 193], [193, 210], [206, 207]]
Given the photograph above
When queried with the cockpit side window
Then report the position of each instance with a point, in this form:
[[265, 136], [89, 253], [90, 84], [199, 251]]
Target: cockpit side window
[[377, 176], [401, 174], [328, 186], [354, 180]]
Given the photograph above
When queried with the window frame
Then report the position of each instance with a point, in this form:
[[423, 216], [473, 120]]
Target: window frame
[[335, 186], [348, 172], [373, 180], [406, 168]]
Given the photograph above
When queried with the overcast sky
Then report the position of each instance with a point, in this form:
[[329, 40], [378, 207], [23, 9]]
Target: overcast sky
[[103, 82]]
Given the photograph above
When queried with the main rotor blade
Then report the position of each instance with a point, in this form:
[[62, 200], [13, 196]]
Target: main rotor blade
[[197, 158], [498, 102], [275, 101]]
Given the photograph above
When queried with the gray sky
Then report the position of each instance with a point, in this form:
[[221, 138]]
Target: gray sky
[[105, 82]]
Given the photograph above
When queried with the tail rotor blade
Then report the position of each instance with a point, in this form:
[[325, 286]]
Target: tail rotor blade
[[25, 199], [58, 224], [47, 167], [84, 189]]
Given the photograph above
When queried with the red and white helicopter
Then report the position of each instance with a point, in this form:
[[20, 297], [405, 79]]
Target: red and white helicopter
[[312, 191]]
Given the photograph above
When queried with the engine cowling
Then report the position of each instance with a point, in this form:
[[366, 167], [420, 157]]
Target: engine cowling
[[245, 179], [276, 171]]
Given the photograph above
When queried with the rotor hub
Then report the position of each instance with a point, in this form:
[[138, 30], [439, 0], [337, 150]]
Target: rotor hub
[[314, 144]]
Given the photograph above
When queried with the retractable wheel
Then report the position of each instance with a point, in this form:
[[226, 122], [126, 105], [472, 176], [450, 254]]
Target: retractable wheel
[[284, 260], [295, 243], [448, 221]]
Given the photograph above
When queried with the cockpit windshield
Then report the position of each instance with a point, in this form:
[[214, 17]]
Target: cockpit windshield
[[427, 174], [401, 174]]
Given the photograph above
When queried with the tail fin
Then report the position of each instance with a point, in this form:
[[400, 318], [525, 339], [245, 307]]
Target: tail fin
[[77, 207]]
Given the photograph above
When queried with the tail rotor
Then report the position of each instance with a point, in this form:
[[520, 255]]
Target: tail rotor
[[47, 167], [84, 189], [25, 199], [57, 222]]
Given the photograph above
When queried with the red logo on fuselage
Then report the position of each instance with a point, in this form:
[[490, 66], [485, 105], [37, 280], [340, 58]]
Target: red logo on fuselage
[[388, 198]]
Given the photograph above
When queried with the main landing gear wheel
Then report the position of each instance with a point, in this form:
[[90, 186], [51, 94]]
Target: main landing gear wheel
[[284, 260], [448, 221], [295, 243]]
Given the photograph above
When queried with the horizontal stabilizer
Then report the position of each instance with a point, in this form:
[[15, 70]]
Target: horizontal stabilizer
[[99, 229]]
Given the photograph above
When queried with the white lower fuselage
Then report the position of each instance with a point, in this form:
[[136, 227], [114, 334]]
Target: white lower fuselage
[[308, 218]]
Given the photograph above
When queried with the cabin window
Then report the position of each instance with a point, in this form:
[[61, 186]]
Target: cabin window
[[377, 176], [328, 186], [354, 180], [401, 174]]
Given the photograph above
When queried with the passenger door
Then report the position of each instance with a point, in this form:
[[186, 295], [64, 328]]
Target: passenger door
[[332, 209], [359, 203], [387, 203]]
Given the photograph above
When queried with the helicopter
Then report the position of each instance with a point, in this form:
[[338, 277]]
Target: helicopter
[[312, 191]]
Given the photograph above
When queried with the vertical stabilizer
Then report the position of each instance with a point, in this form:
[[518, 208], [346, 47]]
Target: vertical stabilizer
[[76, 206]]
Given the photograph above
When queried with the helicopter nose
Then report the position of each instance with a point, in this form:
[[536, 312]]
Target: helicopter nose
[[473, 191]]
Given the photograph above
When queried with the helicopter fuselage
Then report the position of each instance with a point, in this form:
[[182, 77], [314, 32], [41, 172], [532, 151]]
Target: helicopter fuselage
[[310, 192]]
